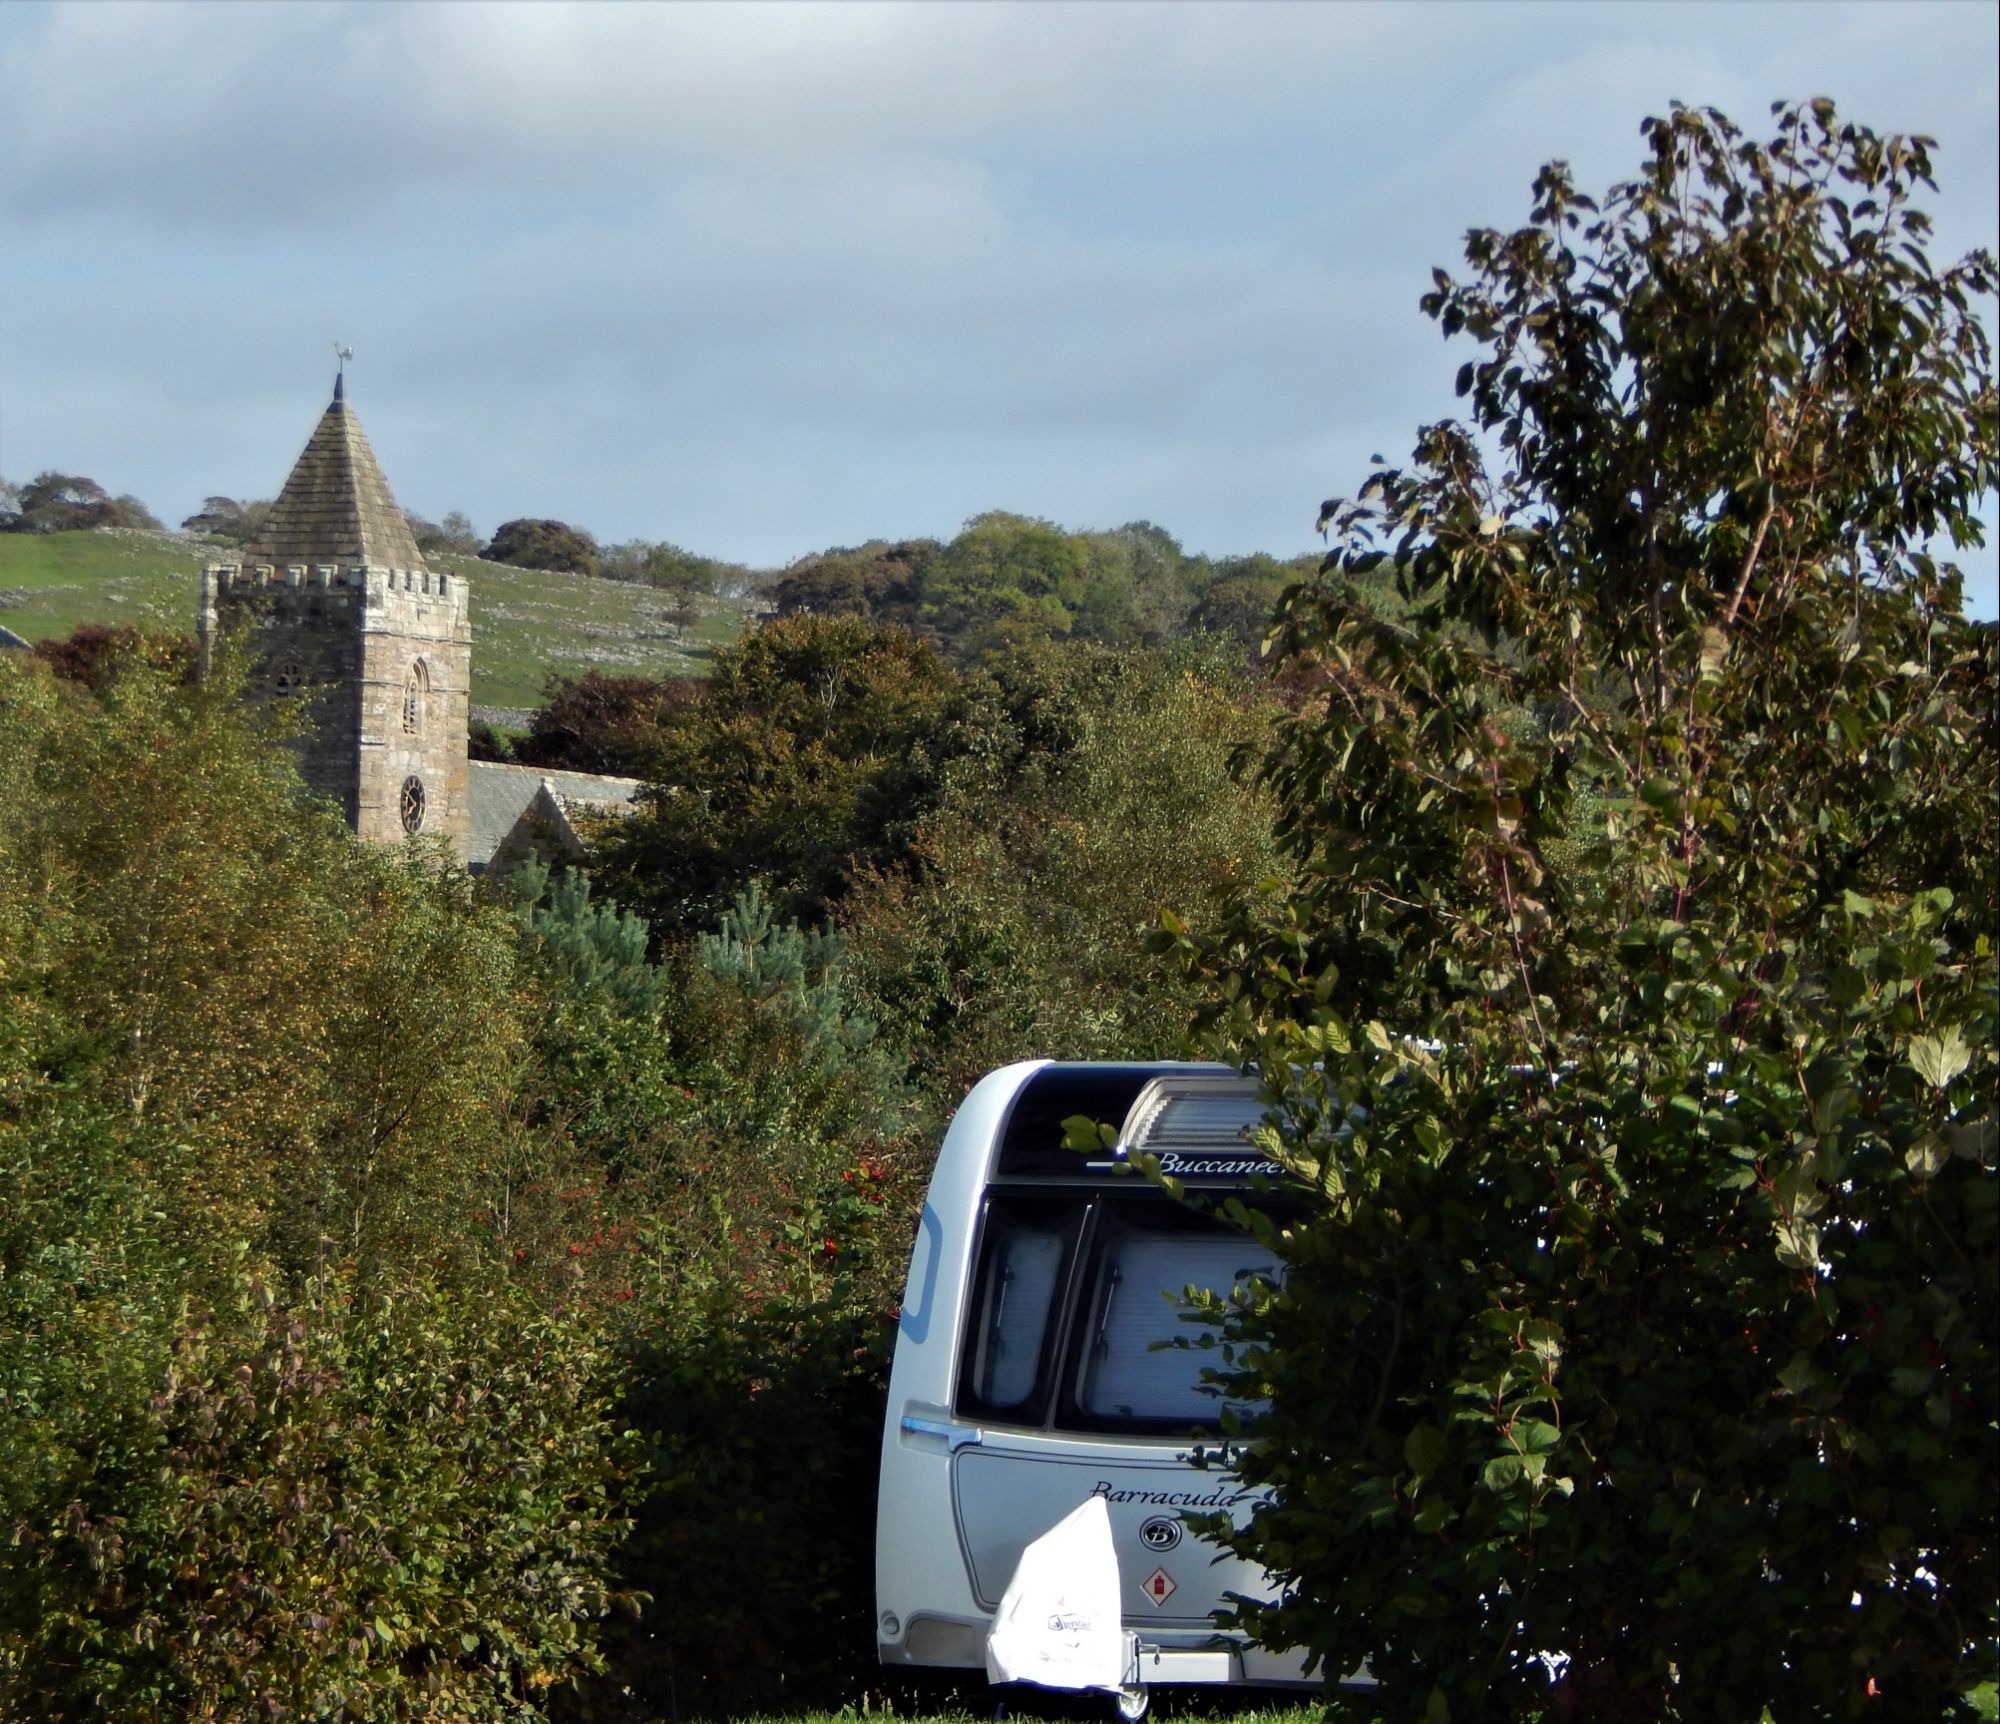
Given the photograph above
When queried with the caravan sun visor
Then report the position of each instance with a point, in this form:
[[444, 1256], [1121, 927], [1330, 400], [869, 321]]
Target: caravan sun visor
[[1197, 1122]]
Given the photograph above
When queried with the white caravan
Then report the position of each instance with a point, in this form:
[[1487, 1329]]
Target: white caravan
[[1027, 1378]]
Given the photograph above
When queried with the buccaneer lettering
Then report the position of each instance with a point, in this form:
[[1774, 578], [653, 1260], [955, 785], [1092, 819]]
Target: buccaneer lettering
[[1199, 1166]]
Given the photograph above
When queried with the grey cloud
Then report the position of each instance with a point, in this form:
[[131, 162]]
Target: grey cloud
[[764, 278]]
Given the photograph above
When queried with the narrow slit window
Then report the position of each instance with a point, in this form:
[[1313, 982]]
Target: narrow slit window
[[416, 691]]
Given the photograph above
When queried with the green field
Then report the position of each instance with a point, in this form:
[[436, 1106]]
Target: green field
[[526, 623]]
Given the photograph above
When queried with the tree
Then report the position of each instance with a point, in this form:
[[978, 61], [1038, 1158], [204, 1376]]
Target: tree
[[1005, 577], [598, 722], [1019, 930], [284, 1433], [444, 1457], [605, 1081], [54, 502], [226, 519], [1636, 1000], [538, 544], [1241, 597], [674, 570], [819, 745], [284, 1006], [878, 580], [1136, 585], [93, 653], [453, 534]]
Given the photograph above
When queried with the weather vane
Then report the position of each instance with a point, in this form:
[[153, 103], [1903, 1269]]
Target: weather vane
[[341, 356]]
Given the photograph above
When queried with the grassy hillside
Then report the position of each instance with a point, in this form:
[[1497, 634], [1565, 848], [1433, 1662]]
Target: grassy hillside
[[51, 582], [526, 622]]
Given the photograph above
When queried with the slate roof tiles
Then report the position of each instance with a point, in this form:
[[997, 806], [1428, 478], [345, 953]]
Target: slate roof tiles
[[336, 507]]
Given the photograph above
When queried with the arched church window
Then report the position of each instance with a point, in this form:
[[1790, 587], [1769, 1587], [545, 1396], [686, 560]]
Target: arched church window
[[415, 692], [413, 804], [287, 676]]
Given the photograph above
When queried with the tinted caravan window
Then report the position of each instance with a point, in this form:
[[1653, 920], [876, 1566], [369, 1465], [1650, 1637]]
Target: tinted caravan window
[[1024, 1262], [1127, 1370], [1076, 1303]]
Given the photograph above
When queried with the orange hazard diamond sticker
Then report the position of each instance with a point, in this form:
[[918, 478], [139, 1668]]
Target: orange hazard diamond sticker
[[1158, 1586]]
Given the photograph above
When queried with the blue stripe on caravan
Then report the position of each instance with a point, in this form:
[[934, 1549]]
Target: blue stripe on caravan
[[916, 1320]]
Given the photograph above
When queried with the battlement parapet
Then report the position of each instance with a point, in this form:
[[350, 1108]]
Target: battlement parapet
[[430, 594], [229, 577]]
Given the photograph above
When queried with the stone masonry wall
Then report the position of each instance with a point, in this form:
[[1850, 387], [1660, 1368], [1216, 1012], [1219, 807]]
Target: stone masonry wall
[[349, 640], [412, 619]]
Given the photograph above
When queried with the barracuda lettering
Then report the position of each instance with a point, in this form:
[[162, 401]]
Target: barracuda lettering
[[1165, 1499]]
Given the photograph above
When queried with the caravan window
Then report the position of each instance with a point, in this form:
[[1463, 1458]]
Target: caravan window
[[1024, 1264], [1076, 1309], [1129, 1368]]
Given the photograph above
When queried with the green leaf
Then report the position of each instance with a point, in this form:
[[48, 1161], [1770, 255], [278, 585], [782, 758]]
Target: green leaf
[[1939, 1058], [1799, 1375], [1926, 1157], [1714, 653], [1435, 1515], [1832, 1107], [1425, 1449], [1536, 1436], [1798, 1244], [1973, 1139], [1085, 1136]]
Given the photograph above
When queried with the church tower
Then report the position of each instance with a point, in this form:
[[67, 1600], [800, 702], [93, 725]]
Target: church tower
[[343, 613]]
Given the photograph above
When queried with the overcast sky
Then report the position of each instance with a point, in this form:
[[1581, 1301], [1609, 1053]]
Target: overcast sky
[[763, 278]]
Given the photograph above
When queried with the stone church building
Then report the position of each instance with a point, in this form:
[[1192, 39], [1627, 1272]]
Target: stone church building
[[342, 611]]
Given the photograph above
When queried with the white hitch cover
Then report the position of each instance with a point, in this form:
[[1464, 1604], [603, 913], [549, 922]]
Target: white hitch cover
[[1059, 1624]]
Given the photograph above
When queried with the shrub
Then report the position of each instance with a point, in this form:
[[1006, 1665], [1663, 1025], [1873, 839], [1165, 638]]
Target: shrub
[[759, 1364], [352, 1505], [535, 544]]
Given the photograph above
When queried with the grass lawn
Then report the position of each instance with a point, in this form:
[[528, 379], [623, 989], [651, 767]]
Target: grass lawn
[[1219, 1705], [1185, 1703], [526, 623]]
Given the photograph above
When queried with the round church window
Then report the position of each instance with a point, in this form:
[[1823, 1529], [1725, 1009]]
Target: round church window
[[413, 804], [286, 676]]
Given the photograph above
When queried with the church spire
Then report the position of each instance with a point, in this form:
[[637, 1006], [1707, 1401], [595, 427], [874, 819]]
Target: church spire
[[336, 507]]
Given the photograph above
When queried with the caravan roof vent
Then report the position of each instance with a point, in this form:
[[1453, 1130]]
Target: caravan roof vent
[[1189, 1114]]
